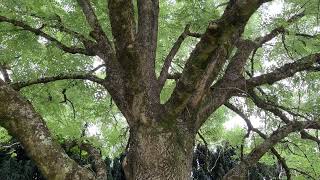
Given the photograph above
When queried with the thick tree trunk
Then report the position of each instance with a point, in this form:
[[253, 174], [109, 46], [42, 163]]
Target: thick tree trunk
[[159, 153], [21, 120]]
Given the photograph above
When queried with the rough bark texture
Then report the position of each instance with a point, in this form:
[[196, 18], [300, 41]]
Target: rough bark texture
[[161, 135], [159, 153], [20, 119]]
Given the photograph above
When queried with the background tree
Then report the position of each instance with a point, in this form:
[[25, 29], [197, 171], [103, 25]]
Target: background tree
[[236, 52]]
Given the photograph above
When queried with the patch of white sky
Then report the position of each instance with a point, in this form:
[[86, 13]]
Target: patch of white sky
[[67, 7]]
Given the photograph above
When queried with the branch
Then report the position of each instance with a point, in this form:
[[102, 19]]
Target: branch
[[247, 47], [97, 160], [22, 84], [58, 25], [148, 12], [147, 40], [174, 76], [274, 110], [22, 121], [260, 150], [39, 32], [97, 68], [168, 60], [232, 81], [251, 128], [95, 156], [285, 71], [303, 173], [137, 72], [193, 34], [210, 54], [86, 42], [92, 20], [121, 15]]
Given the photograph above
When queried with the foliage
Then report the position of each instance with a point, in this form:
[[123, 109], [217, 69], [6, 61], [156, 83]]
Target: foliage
[[31, 57]]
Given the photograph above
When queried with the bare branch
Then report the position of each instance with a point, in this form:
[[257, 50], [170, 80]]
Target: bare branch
[[39, 32], [193, 34], [22, 84], [167, 62], [97, 68]]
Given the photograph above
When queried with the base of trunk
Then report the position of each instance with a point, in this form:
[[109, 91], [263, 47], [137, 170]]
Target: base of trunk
[[159, 154]]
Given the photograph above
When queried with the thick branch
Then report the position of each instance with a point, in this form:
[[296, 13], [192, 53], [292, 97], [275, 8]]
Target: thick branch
[[97, 161], [285, 71], [24, 123], [210, 54], [95, 157], [254, 156], [233, 80], [247, 47], [139, 76], [148, 12], [39, 32], [251, 128], [22, 84], [121, 15]]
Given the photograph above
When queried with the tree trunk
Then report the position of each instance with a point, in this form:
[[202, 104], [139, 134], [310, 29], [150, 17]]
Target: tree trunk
[[159, 153], [23, 123]]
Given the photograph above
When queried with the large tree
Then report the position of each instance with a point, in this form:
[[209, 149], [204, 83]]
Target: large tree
[[124, 35]]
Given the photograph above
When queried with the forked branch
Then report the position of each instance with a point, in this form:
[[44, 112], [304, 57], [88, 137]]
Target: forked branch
[[259, 102], [260, 150], [209, 56], [261, 134]]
